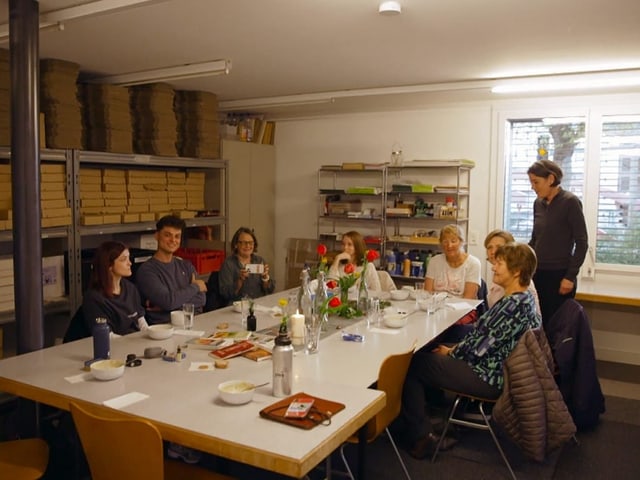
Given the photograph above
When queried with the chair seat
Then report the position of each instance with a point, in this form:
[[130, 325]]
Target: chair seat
[[23, 459], [178, 470]]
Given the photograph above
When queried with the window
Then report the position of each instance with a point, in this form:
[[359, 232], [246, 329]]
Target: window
[[607, 153]]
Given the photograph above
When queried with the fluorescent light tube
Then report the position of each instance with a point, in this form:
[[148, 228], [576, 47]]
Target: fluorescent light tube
[[549, 85], [179, 72], [98, 7]]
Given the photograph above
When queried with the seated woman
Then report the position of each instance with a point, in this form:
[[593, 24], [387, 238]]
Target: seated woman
[[474, 365], [236, 281], [353, 251], [453, 271], [494, 240], [110, 295]]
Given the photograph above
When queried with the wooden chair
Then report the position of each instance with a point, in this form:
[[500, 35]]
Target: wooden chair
[[129, 449], [390, 380], [482, 422], [24, 459]]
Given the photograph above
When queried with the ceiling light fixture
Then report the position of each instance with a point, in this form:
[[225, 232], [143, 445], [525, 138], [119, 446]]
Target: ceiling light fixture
[[599, 80], [390, 8], [50, 19], [179, 72]]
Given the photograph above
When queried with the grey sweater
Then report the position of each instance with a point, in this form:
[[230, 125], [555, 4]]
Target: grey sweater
[[559, 235], [166, 286]]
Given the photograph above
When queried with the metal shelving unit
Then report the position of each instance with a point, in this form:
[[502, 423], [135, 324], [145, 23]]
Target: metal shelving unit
[[385, 188]]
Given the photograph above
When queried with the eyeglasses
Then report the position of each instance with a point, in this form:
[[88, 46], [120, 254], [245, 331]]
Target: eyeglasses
[[247, 243]]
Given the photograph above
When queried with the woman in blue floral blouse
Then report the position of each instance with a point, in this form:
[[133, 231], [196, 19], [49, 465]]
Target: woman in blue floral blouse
[[474, 365]]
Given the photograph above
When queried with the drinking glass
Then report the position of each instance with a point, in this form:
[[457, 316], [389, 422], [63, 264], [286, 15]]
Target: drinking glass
[[188, 309], [431, 301], [312, 331], [373, 312], [421, 293]]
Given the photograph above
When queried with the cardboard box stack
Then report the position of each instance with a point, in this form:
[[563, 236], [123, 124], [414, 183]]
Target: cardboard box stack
[[53, 280], [59, 102], [106, 118], [115, 195], [54, 206], [154, 121], [5, 99], [197, 116]]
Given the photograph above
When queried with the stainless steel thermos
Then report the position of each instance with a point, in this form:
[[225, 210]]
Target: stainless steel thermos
[[282, 358]]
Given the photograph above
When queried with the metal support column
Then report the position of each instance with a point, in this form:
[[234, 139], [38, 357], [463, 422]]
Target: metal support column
[[25, 167]]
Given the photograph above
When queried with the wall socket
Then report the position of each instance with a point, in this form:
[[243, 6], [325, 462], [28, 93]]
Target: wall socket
[[473, 237]]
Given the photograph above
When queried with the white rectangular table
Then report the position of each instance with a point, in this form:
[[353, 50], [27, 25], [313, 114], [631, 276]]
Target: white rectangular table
[[185, 405]]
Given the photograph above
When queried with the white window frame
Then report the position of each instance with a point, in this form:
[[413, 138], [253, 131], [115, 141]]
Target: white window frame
[[593, 115]]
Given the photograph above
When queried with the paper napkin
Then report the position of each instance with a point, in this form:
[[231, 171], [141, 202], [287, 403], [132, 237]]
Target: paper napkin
[[460, 305], [188, 333], [201, 366], [81, 377], [388, 331], [125, 400]]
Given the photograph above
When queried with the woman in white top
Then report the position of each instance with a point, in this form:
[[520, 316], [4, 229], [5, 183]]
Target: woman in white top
[[454, 271], [495, 292], [353, 251]]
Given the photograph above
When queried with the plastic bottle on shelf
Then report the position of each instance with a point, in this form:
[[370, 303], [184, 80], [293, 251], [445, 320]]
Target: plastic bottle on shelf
[[390, 259], [406, 266]]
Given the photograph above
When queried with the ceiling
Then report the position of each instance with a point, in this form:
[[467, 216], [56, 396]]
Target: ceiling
[[300, 47]]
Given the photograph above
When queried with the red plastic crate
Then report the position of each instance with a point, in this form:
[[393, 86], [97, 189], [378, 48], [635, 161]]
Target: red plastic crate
[[204, 260]]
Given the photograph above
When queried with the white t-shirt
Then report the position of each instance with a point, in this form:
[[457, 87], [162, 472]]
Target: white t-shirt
[[452, 280]]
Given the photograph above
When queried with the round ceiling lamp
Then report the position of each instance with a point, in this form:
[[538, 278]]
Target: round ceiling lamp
[[389, 8]]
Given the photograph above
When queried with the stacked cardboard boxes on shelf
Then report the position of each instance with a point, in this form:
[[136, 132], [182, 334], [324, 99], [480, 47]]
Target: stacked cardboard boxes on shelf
[[114, 195], [59, 103], [106, 118], [154, 121], [197, 115], [54, 206], [53, 280]]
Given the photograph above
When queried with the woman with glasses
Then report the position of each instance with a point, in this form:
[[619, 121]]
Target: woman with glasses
[[559, 237], [244, 273]]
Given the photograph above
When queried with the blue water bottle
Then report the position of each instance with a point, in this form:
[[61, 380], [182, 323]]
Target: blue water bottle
[[101, 342]]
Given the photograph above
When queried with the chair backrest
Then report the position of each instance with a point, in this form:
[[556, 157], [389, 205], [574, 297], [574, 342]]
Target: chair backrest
[[77, 328], [482, 295], [214, 299], [124, 449], [390, 380], [386, 282]]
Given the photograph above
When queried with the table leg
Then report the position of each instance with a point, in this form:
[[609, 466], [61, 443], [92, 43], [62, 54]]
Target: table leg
[[362, 444]]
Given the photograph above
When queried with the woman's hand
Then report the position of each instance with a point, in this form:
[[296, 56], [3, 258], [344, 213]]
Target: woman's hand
[[442, 350], [565, 286], [342, 257], [265, 273]]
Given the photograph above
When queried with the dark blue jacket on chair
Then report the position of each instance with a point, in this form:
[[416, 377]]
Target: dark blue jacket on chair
[[571, 341]]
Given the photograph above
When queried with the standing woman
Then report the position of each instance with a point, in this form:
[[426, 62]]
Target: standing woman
[[110, 295], [454, 271], [559, 237], [235, 279], [354, 250]]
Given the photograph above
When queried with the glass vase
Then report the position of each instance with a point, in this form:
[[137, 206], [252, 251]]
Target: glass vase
[[312, 334], [363, 297]]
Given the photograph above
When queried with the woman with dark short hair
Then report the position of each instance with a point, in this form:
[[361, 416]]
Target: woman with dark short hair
[[559, 237]]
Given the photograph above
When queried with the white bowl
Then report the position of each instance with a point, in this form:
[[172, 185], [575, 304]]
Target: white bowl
[[160, 332], [107, 369], [395, 320], [236, 392], [399, 294]]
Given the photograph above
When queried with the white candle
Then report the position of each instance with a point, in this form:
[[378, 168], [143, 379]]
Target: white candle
[[297, 329]]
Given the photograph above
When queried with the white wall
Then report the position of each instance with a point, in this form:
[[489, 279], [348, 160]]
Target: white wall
[[442, 132], [305, 145]]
